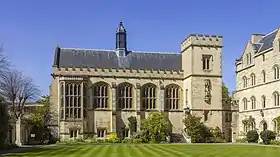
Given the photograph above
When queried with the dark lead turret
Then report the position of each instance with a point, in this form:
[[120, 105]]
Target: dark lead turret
[[121, 48]]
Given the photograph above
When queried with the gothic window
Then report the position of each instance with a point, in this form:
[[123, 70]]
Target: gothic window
[[125, 96], [206, 62], [85, 103], [253, 126], [263, 76], [148, 96], [228, 117], [276, 72], [172, 97], [73, 100], [101, 95], [101, 132], [253, 79], [264, 126], [250, 58], [244, 79], [253, 102], [247, 59], [263, 57], [263, 101], [125, 132], [275, 126], [186, 97], [73, 133], [245, 103], [62, 113], [276, 98]]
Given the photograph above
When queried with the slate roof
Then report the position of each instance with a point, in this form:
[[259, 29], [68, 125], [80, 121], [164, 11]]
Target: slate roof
[[264, 43], [267, 41], [83, 58]]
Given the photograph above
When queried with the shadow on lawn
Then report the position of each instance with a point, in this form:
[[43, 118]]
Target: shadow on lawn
[[42, 151]]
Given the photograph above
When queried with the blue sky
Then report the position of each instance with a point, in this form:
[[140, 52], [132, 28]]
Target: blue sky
[[30, 29]]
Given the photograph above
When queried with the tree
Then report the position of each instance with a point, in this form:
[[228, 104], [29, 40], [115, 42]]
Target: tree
[[225, 92], [4, 64], [267, 136], [3, 123], [197, 130], [252, 136], [17, 89], [40, 118], [132, 124], [155, 126]]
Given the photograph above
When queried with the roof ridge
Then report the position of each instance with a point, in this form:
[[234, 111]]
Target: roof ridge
[[154, 52], [88, 49], [268, 34]]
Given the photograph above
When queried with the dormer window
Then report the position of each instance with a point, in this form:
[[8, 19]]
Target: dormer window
[[206, 62]]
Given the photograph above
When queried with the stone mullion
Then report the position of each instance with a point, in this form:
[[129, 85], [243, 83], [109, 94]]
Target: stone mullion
[[64, 100], [113, 107], [82, 100]]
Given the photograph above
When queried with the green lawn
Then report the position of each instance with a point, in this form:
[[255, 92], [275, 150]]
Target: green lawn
[[153, 151]]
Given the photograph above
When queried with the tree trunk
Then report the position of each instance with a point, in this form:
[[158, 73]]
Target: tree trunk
[[18, 132]]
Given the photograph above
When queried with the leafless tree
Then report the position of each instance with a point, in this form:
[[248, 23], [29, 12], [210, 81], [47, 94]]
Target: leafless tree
[[17, 89], [4, 64]]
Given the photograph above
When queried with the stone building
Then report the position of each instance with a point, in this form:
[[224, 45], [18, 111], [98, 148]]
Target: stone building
[[258, 83], [94, 92]]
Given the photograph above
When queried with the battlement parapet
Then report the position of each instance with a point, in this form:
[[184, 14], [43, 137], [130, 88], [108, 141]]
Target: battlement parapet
[[113, 72], [202, 41]]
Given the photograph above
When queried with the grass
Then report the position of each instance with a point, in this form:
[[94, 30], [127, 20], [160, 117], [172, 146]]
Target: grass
[[152, 150]]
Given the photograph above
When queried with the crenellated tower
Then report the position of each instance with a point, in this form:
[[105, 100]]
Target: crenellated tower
[[202, 65]]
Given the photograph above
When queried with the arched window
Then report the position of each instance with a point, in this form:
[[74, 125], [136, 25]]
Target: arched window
[[125, 96], [73, 97], [253, 79], [148, 96], [172, 97], [245, 103], [276, 71], [253, 126], [253, 102], [264, 126], [263, 76], [276, 98], [275, 126], [101, 95], [250, 58], [263, 101], [244, 79]]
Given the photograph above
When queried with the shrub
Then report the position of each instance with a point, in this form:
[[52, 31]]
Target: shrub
[[113, 138], [241, 140], [3, 123], [155, 126], [132, 124], [267, 136], [127, 141], [136, 141], [198, 131], [275, 142], [90, 140], [252, 136]]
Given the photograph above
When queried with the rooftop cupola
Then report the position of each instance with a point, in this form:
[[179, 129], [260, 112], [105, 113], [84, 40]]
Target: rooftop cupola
[[121, 48]]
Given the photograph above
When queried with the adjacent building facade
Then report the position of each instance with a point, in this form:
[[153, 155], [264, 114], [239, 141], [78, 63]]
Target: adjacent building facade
[[258, 83], [94, 92]]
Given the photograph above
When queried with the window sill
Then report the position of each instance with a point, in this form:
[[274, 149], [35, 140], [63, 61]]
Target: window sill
[[127, 109], [150, 110], [207, 70], [102, 109], [71, 120], [175, 110]]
